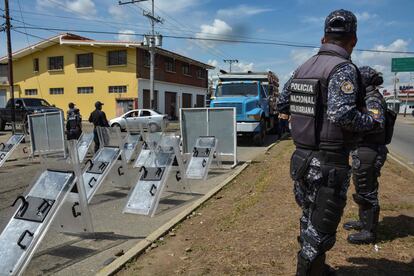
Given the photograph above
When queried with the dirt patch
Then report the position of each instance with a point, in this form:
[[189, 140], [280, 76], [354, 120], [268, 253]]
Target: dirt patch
[[250, 227]]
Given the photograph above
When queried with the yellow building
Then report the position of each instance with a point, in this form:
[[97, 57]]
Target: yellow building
[[70, 68]]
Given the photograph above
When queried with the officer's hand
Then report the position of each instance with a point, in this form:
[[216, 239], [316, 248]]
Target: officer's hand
[[283, 116]]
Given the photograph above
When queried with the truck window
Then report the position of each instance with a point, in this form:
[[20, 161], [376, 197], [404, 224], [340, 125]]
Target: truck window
[[36, 102], [263, 91], [236, 89]]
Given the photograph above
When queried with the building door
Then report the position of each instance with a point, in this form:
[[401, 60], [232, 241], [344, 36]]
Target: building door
[[171, 105], [200, 101], [3, 99], [187, 100], [123, 106], [146, 99]]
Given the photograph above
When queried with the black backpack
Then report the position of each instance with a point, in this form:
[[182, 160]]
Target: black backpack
[[390, 118]]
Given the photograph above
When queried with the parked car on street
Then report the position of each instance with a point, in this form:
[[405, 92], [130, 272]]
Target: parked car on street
[[147, 118], [23, 107]]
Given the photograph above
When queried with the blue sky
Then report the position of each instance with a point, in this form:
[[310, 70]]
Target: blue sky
[[383, 24]]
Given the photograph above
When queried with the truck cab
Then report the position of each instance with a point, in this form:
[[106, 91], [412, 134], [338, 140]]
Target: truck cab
[[253, 97]]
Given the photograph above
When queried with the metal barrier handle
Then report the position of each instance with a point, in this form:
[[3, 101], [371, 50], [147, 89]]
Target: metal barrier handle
[[3, 146], [21, 238], [204, 163], [24, 206], [90, 162], [178, 176], [145, 171], [43, 207], [74, 212], [90, 181], [120, 173], [153, 187]]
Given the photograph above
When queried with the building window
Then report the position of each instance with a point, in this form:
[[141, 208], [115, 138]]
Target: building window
[[117, 89], [56, 91], [170, 65], [84, 60], [30, 92], [55, 63], [186, 69], [85, 90], [117, 57], [35, 65], [4, 70], [201, 73]]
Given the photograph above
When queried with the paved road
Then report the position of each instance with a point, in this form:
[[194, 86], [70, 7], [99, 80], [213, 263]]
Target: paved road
[[62, 254], [403, 140]]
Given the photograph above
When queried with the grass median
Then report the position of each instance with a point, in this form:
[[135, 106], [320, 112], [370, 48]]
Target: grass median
[[250, 227]]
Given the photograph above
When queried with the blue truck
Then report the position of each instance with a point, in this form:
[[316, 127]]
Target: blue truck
[[254, 96]]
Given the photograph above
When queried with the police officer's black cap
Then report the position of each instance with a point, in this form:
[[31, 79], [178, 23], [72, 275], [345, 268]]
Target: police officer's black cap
[[341, 22], [98, 104]]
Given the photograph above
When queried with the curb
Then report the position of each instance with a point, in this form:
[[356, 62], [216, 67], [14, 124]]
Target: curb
[[118, 263]]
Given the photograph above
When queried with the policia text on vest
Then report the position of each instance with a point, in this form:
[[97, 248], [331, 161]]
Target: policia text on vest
[[303, 96]]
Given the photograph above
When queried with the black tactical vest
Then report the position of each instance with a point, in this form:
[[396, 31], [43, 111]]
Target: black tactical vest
[[376, 138], [311, 128]]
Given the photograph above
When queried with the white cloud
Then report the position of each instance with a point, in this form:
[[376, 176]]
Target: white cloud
[[126, 35], [299, 56], [242, 67], [382, 61], [83, 7], [169, 6], [213, 62], [365, 16], [219, 30], [241, 10], [117, 11], [80, 7]]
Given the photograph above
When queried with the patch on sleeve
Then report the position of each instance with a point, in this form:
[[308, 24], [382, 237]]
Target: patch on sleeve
[[374, 112], [347, 87]]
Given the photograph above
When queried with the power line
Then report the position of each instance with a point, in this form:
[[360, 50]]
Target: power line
[[28, 44], [224, 40]]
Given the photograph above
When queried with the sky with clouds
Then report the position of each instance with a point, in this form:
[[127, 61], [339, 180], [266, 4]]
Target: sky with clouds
[[382, 25]]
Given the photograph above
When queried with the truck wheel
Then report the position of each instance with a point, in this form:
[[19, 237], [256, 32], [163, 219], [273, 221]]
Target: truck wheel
[[2, 124], [258, 138]]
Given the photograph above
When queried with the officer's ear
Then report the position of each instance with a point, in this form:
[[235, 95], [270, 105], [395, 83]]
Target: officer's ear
[[354, 41]]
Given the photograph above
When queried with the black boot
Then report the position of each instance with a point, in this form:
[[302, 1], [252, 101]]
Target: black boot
[[354, 224], [368, 234], [315, 268]]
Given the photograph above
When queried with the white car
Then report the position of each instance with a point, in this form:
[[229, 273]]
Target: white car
[[137, 118]]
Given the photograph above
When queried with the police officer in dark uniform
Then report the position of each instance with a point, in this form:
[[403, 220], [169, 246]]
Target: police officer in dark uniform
[[326, 104], [73, 123], [367, 161], [98, 118]]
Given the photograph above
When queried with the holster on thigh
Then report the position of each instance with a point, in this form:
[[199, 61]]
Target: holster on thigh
[[299, 163], [329, 203]]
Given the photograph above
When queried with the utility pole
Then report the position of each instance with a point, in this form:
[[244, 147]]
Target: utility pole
[[10, 64], [230, 61], [395, 93], [151, 41]]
